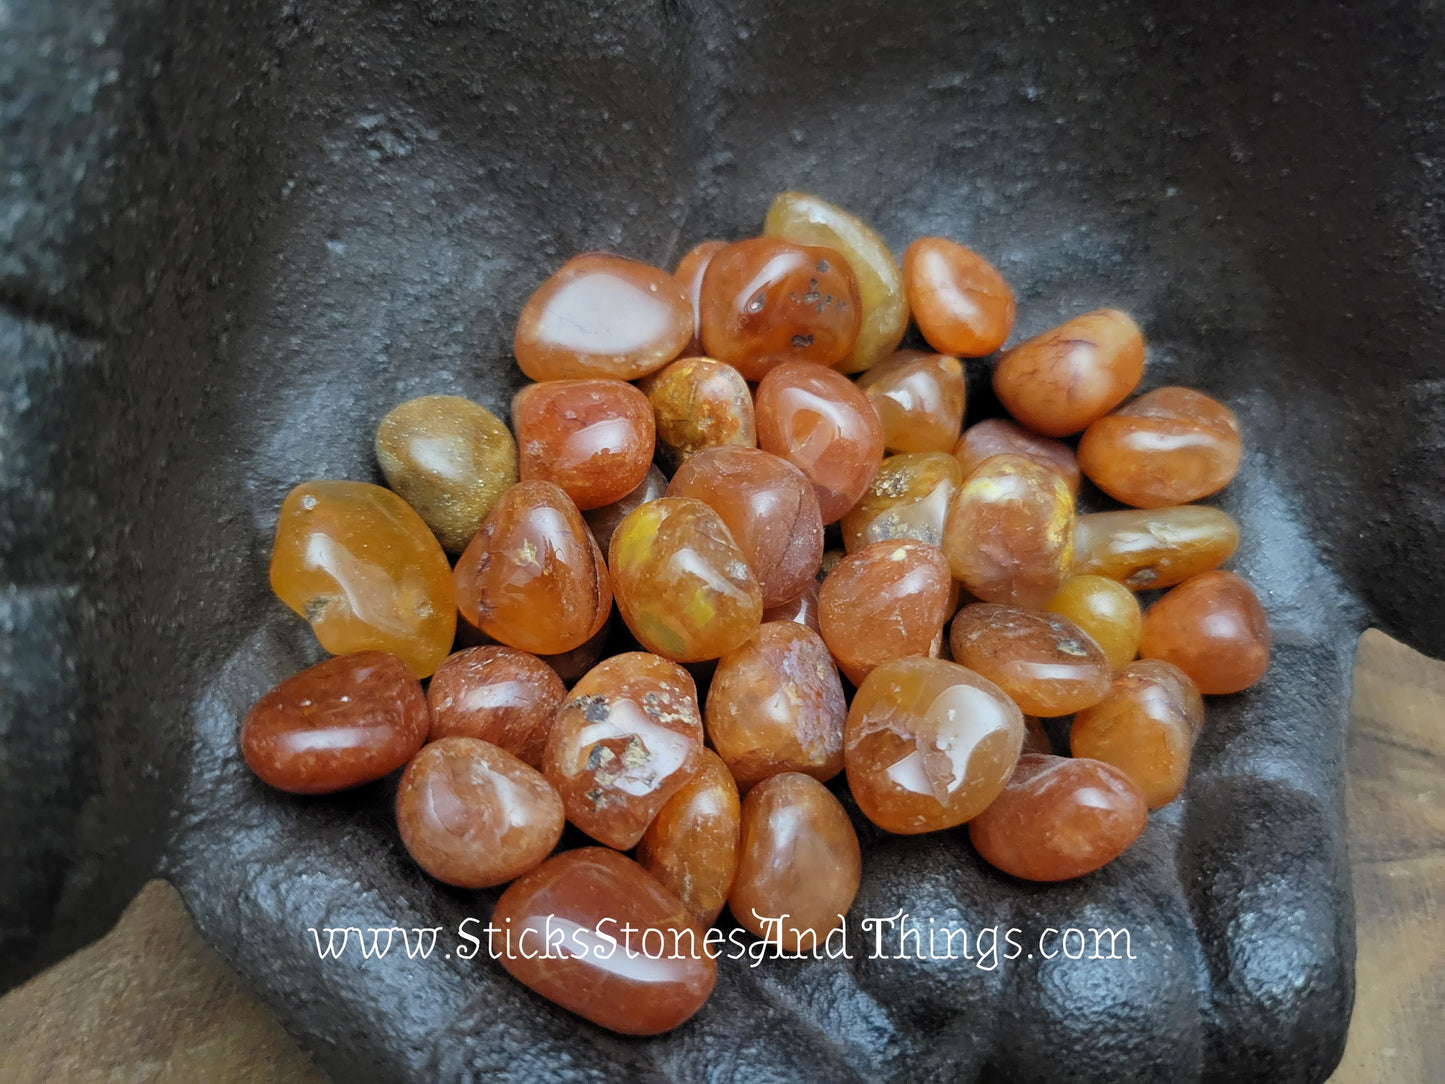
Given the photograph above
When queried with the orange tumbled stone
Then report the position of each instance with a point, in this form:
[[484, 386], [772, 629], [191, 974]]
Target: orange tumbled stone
[[768, 507], [689, 272], [776, 705], [1058, 382], [473, 815], [338, 724], [1046, 663], [623, 742], [366, 571], [919, 398], [533, 578], [766, 300], [579, 930], [1106, 610], [683, 586], [997, 436], [1152, 548], [909, 497], [1146, 727], [799, 864], [1169, 446], [691, 847], [1059, 818], [959, 301], [1214, 629], [594, 438], [499, 695], [603, 316], [699, 403], [929, 744], [820, 422], [803, 609], [1009, 536], [603, 521], [888, 600]]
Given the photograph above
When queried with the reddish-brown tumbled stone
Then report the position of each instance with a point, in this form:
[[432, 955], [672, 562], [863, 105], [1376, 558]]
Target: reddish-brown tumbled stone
[[594, 438], [691, 847], [997, 436], [1046, 663], [919, 398], [959, 302], [603, 521], [803, 609], [1213, 628], [498, 694], [690, 270]]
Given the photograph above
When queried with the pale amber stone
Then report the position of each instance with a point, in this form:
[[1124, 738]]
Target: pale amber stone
[[799, 863], [691, 847], [809, 220], [690, 270], [498, 694], [1214, 629], [1046, 663], [623, 742], [919, 398], [776, 705], [1152, 548], [929, 744], [683, 586], [594, 438], [699, 403], [909, 497], [996, 436], [961, 304], [1146, 727], [1009, 536], [1106, 610], [364, 569], [803, 609], [603, 521]]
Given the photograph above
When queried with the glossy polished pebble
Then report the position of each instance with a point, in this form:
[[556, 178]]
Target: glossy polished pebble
[[683, 586], [1046, 663], [929, 744], [1214, 629], [820, 422], [766, 301], [1009, 536], [699, 403], [1058, 382], [959, 301], [798, 856], [803, 609], [689, 272], [1152, 548], [1146, 727], [533, 578], [692, 845], [622, 981], [1169, 446], [594, 438], [603, 521], [888, 600], [768, 507], [1106, 610], [603, 316], [809, 220], [776, 705], [363, 568], [448, 458], [1059, 818], [909, 497], [496, 694], [919, 398], [473, 815], [996, 436], [337, 724], [623, 742]]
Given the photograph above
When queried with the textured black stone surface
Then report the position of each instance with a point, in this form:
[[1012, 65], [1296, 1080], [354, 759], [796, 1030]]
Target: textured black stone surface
[[234, 233]]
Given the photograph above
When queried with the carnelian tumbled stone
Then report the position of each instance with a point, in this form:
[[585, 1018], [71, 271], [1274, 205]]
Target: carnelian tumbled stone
[[1036, 738], [768, 507], [473, 815], [699, 403], [1157, 547], [499, 695], [1059, 818], [766, 301], [1009, 536], [919, 398], [366, 571], [533, 578], [1145, 726], [338, 724], [624, 742], [888, 600], [603, 521], [1046, 663], [803, 609], [820, 422], [683, 586], [929, 744], [594, 438], [959, 301], [603, 316], [799, 864], [909, 497], [1213, 628], [997, 436], [1060, 381], [690, 270], [776, 705], [691, 847], [1106, 610], [1171, 446], [594, 932]]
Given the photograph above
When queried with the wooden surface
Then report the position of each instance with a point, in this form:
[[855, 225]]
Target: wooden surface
[[151, 1002]]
